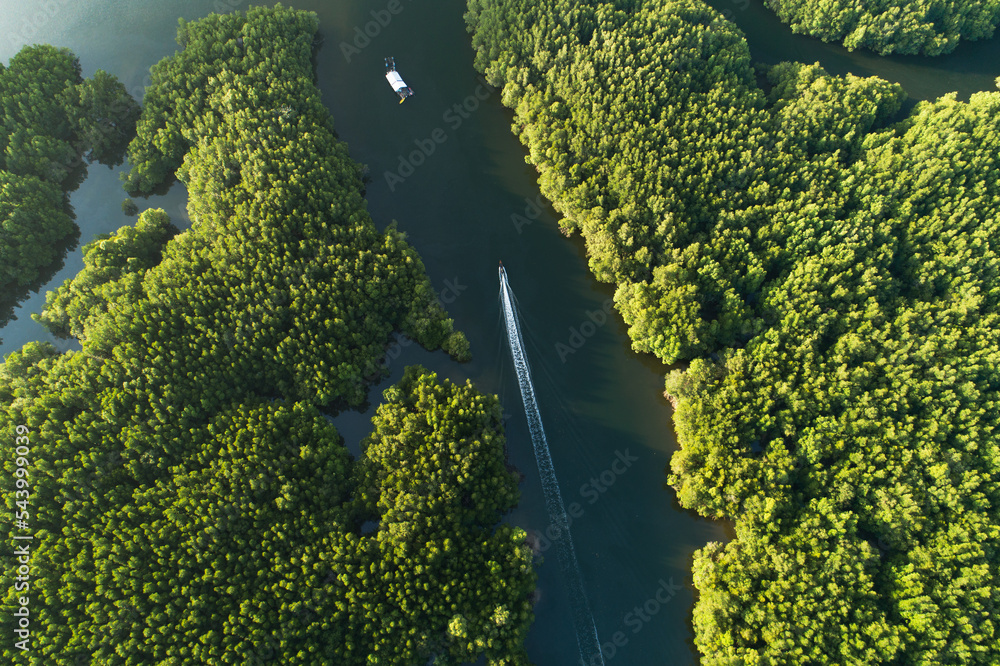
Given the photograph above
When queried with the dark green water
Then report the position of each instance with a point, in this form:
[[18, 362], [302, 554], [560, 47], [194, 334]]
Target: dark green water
[[601, 403]]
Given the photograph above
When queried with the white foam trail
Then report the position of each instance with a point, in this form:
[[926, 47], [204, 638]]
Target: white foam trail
[[583, 620]]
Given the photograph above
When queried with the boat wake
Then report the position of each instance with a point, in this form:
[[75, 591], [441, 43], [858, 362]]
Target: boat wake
[[583, 620]]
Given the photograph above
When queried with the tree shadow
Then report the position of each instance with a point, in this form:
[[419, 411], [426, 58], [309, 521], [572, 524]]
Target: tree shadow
[[12, 295]]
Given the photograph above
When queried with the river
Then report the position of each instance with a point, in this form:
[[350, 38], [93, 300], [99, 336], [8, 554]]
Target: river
[[471, 202]]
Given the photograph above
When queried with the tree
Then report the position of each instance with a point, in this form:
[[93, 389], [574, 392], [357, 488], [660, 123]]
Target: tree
[[830, 278], [49, 119], [911, 27], [199, 506]]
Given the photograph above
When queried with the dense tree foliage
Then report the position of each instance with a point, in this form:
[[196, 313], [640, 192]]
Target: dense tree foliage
[[833, 279], [926, 27], [50, 118], [682, 174], [433, 475], [114, 267], [191, 502], [241, 539]]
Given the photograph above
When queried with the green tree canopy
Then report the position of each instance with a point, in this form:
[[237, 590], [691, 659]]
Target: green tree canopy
[[50, 119], [925, 27], [192, 502], [829, 271]]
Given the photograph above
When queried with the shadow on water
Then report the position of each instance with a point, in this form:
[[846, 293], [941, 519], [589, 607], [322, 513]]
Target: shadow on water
[[98, 210], [12, 296]]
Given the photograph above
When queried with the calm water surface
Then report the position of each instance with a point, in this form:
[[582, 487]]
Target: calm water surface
[[601, 403]]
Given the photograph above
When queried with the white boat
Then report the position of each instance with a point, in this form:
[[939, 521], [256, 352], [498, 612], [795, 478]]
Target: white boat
[[396, 81]]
